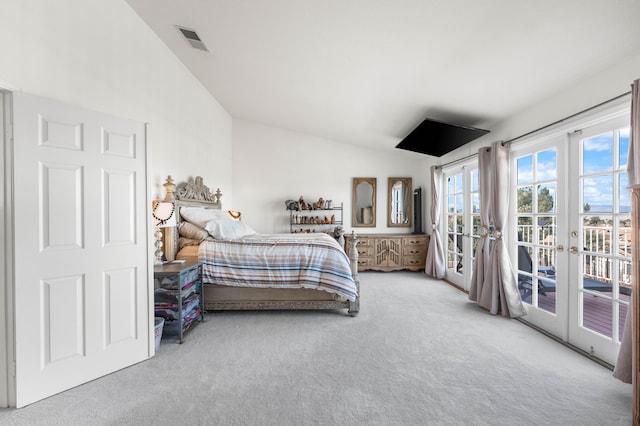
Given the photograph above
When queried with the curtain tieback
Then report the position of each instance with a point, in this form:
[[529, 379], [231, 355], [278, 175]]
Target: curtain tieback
[[498, 233], [484, 230], [434, 226]]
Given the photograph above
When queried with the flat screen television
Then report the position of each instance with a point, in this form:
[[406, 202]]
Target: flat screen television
[[436, 138]]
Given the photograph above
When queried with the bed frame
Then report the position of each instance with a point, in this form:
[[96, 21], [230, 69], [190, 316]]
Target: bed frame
[[194, 193]]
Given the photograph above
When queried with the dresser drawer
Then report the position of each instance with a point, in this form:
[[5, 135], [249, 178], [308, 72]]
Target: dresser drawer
[[414, 242], [365, 251], [414, 262], [365, 242], [414, 251], [365, 262]]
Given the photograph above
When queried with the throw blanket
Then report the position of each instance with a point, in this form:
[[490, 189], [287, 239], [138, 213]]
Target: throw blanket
[[279, 260]]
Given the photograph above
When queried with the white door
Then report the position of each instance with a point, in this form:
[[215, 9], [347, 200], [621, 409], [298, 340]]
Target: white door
[[540, 204], [572, 213], [462, 221], [82, 299], [600, 238]]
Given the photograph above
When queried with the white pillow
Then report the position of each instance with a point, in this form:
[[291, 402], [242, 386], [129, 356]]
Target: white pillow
[[201, 216], [227, 229]]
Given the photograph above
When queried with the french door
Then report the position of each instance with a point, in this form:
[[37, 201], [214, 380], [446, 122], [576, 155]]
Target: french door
[[462, 221], [540, 204], [573, 240], [600, 244]]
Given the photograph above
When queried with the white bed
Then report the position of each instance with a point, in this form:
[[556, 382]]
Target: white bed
[[243, 270]]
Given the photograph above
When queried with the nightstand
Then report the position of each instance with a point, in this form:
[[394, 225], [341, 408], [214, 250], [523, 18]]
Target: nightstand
[[179, 296]]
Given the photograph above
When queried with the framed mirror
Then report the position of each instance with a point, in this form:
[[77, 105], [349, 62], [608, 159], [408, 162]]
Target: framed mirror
[[363, 210], [400, 198]]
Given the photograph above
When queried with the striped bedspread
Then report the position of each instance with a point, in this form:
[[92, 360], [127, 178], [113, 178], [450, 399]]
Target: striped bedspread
[[279, 260]]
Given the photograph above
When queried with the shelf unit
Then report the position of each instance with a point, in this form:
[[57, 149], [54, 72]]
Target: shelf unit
[[316, 220], [179, 297]]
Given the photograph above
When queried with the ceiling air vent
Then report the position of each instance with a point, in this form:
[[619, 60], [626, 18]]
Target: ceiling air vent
[[192, 37]]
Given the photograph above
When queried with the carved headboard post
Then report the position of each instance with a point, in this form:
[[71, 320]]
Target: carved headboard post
[[169, 187]]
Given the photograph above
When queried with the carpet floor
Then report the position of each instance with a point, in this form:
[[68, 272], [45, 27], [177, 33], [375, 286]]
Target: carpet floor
[[419, 353]]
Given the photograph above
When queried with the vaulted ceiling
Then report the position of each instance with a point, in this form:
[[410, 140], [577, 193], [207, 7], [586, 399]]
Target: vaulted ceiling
[[367, 72]]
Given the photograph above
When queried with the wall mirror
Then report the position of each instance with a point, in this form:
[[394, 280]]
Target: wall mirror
[[363, 212], [400, 200]]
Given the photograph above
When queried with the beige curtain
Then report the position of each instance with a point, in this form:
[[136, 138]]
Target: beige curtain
[[435, 266], [481, 261], [623, 369], [500, 289]]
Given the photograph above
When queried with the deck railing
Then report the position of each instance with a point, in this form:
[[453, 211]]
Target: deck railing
[[598, 256]]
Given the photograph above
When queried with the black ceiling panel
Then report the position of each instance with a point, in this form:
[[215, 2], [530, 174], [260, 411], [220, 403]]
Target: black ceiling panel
[[436, 138]]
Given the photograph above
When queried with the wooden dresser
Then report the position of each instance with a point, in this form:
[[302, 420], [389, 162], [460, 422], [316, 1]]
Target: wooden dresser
[[391, 252]]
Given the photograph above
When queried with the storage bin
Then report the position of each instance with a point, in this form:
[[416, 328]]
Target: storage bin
[[158, 330]]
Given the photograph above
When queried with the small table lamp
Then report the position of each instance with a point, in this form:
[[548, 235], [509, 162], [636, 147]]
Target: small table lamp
[[163, 217]]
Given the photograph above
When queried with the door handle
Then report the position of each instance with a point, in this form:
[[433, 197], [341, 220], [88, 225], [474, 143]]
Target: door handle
[[560, 248], [573, 250]]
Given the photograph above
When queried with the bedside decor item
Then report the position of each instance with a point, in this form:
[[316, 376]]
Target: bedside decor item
[[163, 217]]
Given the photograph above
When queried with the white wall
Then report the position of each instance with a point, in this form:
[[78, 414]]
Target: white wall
[[273, 165], [100, 55]]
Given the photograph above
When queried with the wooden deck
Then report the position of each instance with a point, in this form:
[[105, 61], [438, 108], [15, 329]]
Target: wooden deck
[[597, 310]]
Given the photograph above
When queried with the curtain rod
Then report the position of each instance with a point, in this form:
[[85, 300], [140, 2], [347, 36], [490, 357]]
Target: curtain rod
[[615, 98], [540, 128]]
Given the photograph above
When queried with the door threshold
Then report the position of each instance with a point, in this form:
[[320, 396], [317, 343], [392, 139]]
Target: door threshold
[[568, 345]]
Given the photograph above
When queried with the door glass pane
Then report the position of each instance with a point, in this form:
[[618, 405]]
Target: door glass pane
[[597, 273], [597, 313], [624, 238], [525, 199], [597, 232], [597, 193], [459, 203], [475, 183], [546, 168], [547, 230], [525, 279], [525, 169], [476, 203], [476, 226], [546, 198], [597, 154], [624, 278], [525, 229]]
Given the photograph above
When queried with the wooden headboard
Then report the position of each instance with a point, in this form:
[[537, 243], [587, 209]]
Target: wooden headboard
[[193, 193]]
